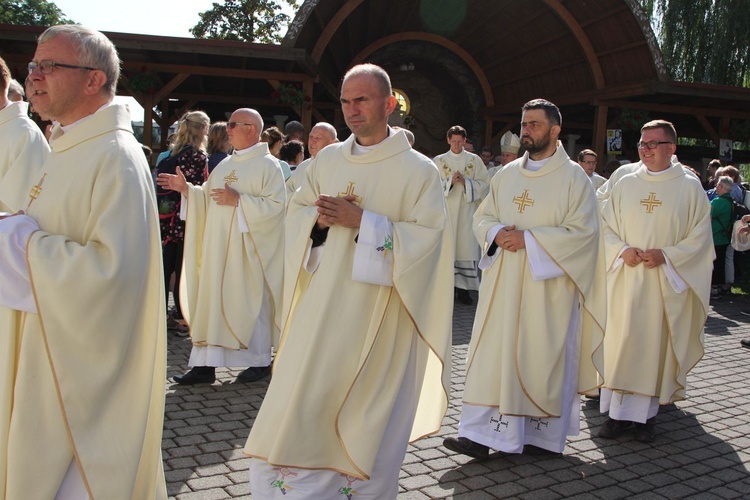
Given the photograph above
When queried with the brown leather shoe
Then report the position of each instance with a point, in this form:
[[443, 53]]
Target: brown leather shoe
[[466, 446]]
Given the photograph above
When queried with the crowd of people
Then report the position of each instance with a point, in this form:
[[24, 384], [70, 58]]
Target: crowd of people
[[336, 276]]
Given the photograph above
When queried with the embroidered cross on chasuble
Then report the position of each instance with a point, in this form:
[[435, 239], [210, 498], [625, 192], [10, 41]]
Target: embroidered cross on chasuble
[[36, 190], [350, 192], [523, 201], [231, 178], [650, 203]]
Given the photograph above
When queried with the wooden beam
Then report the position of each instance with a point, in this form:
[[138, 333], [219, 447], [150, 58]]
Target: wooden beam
[[678, 110], [583, 40], [333, 25], [598, 140], [708, 128], [170, 86], [218, 71]]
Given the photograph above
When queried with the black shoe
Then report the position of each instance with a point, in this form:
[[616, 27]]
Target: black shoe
[[466, 446], [254, 373], [745, 343], [464, 297], [198, 375], [645, 432], [613, 428]]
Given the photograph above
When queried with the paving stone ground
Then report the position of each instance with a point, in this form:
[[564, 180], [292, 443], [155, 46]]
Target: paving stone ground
[[701, 451]]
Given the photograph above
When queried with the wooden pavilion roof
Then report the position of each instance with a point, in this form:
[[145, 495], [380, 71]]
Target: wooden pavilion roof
[[592, 58]]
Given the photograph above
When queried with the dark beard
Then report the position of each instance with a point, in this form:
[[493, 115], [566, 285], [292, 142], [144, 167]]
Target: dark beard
[[535, 147]]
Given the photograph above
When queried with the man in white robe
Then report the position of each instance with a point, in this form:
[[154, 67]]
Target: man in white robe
[[659, 251], [23, 148], [321, 135], [234, 251], [82, 374], [465, 184], [510, 145], [364, 362], [587, 159], [526, 364]]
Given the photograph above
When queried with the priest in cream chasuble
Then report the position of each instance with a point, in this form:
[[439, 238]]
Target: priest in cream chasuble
[[465, 184], [234, 248], [82, 373], [364, 362], [85, 365], [536, 341], [235, 258], [657, 310]]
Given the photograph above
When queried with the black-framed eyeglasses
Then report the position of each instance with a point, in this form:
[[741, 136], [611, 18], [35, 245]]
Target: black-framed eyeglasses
[[47, 67], [651, 144], [234, 124]]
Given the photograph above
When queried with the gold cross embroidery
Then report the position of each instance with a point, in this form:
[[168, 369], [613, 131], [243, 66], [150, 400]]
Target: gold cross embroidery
[[523, 200], [650, 203], [35, 191], [350, 192], [231, 178]]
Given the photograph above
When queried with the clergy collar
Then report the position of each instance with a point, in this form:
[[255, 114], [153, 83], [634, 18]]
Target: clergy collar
[[535, 165], [456, 155], [661, 172], [358, 149], [66, 128], [240, 152]]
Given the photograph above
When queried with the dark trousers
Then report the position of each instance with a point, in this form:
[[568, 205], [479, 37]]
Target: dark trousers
[[718, 277], [172, 259]]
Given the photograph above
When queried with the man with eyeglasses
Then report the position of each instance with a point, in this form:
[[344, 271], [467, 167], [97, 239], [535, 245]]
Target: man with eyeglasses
[[234, 256], [541, 310], [83, 377], [659, 252], [587, 161], [23, 147]]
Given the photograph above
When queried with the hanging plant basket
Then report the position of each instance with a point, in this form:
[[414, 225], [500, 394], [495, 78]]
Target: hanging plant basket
[[291, 95], [145, 82]]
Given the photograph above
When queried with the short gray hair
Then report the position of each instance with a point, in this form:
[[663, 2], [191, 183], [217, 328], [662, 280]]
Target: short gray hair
[[384, 81], [725, 181], [15, 88], [94, 50]]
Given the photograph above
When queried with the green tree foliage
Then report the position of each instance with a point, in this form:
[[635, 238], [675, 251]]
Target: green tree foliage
[[244, 20], [31, 13], [705, 41]]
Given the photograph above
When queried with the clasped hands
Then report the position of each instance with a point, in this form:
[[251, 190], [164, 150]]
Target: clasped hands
[[511, 239], [177, 182], [457, 178], [649, 258], [342, 211]]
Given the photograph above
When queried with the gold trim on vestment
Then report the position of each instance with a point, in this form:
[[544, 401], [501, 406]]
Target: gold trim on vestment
[[354, 381], [442, 364], [54, 372], [272, 300], [223, 275]]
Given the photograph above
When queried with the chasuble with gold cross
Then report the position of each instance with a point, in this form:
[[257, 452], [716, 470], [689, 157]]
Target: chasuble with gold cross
[[347, 345], [655, 317], [234, 255]]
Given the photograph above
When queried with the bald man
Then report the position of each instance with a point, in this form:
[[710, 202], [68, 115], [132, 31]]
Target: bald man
[[234, 248], [321, 135]]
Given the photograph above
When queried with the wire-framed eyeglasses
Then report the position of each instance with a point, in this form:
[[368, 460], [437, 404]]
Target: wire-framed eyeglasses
[[46, 67]]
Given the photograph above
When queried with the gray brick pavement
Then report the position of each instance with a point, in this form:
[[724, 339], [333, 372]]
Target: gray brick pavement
[[702, 448]]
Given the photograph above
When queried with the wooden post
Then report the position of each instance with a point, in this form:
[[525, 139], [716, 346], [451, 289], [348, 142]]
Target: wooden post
[[307, 89], [599, 139]]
